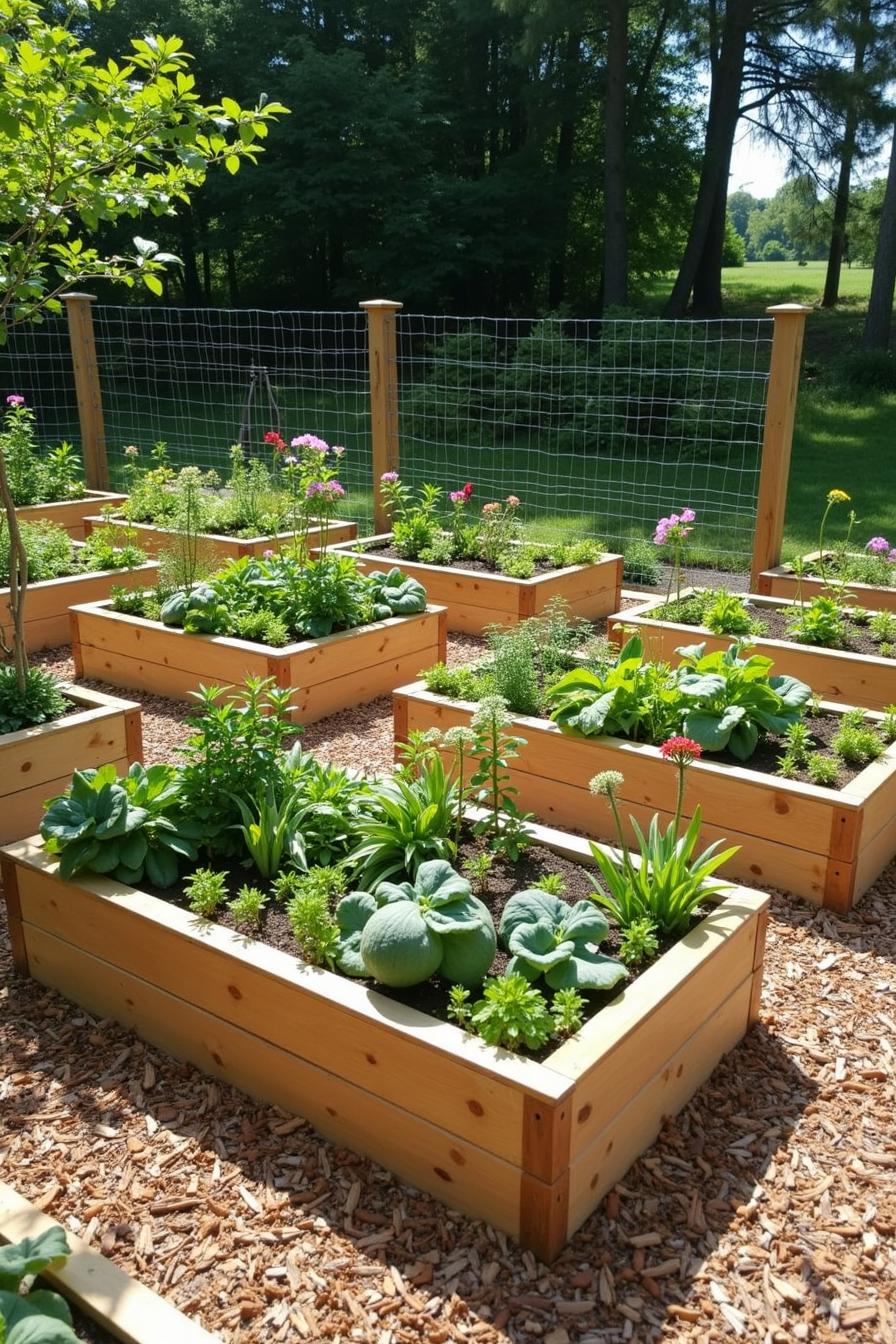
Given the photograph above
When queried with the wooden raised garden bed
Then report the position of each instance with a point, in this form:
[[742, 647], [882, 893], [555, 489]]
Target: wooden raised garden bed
[[834, 674], [531, 1147], [782, 582], [36, 763], [70, 513], [476, 599], [328, 674], [98, 1288], [826, 845], [47, 603], [153, 539]]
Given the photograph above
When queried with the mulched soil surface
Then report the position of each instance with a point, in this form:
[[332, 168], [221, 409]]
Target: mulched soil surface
[[765, 1211]]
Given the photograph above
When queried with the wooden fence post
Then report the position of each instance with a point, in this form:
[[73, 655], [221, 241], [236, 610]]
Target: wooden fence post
[[777, 438], [383, 364], [87, 388]]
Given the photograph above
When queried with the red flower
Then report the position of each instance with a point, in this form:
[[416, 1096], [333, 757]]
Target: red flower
[[468, 489], [681, 750], [274, 438]]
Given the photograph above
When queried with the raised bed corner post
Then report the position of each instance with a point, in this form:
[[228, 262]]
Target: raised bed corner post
[[383, 364], [87, 389], [777, 437]]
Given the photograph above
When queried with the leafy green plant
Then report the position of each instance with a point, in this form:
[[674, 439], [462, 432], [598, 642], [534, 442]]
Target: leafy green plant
[[882, 627], [477, 869], [631, 697], [402, 823], [504, 824], [395, 594], [329, 803], [821, 622], [730, 701], [48, 548], [547, 937], [856, 742], [40, 701], [110, 548], [457, 683], [887, 726], [568, 1012], [248, 905], [639, 942], [270, 830], [823, 770], [415, 522], [459, 1009], [512, 1013], [403, 933], [38, 1316], [553, 883], [309, 911], [726, 614], [640, 564], [206, 891], [517, 562], [127, 827]]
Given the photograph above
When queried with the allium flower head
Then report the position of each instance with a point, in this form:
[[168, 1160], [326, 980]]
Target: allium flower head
[[838, 497], [492, 713], [877, 545], [460, 736], [389, 477], [606, 783], [681, 750], [14, 399]]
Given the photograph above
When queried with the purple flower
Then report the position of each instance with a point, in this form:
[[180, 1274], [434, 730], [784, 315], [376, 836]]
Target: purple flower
[[310, 441], [389, 477], [892, 556], [327, 490], [878, 545], [688, 516], [15, 400], [458, 497], [267, 555]]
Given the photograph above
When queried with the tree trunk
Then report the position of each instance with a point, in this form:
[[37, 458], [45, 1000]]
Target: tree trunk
[[703, 252], [563, 168], [233, 287], [708, 278], [841, 198], [879, 321], [615, 277]]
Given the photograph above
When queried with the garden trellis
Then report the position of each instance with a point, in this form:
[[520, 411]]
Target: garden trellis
[[599, 426]]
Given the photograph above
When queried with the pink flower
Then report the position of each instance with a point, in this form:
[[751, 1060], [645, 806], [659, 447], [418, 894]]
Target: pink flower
[[325, 490], [681, 750], [15, 400], [688, 516], [267, 555], [877, 545], [132, 450], [491, 508], [512, 502], [389, 477], [892, 556], [337, 450], [310, 441], [457, 497]]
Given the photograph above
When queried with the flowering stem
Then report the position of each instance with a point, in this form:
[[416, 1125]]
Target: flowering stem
[[824, 519], [680, 800], [620, 834]]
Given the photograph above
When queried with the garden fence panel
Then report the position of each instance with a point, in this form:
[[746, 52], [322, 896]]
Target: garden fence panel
[[598, 426]]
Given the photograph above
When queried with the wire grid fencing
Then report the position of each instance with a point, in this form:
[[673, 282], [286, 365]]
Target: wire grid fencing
[[201, 380], [598, 426]]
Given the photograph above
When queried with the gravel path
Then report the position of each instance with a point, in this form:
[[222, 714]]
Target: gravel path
[[766, 1211]]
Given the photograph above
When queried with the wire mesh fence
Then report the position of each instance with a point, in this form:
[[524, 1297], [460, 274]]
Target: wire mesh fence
[[599, 427]]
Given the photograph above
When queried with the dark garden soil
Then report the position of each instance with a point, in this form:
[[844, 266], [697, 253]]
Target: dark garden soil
[[858, 639], [389, 552]]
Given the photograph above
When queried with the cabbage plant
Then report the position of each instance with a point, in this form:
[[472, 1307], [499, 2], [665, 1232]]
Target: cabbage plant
[[548, 937], [403, 933]]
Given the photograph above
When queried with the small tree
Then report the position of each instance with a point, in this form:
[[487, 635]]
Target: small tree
[[85, 143]]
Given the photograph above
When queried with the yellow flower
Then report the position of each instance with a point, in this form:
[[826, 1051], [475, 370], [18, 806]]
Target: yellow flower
[[838, 497]]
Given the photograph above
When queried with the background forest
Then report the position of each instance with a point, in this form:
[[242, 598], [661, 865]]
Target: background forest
[[524, 156]]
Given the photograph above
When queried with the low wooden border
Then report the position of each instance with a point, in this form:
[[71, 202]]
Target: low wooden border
[[37, 763], [531, 1147], [782, 582], [124, 1307], [47, 603], [834, 674], [825, 845], [70, 513], [476, 600], [154, 539], [328, 674]]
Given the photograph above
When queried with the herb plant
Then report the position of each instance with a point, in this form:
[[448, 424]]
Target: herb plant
[[247, 906], [503, 823], [512, 1013], [639, 942], [310, 914], [41, 700], [206, 891]]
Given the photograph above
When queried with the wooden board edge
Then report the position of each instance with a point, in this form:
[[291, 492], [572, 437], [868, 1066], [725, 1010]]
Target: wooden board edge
[[10, 878], [123, 1306]]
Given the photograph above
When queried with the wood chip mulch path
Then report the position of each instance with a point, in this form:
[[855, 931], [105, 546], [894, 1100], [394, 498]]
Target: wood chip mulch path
[[765, 1211]]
